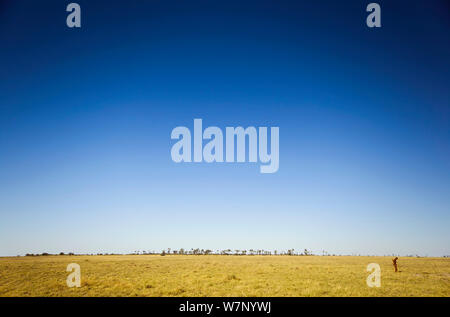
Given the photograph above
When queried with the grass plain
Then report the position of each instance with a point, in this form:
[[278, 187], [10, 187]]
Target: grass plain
[[221, 275]]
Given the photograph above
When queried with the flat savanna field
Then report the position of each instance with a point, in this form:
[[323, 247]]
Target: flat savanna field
[[221, 275]]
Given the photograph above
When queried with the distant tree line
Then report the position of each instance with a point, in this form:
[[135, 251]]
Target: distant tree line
[[198, 251], [47, 254], [236, 252]]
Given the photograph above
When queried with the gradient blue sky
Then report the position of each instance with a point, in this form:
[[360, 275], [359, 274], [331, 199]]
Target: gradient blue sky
[[86, 116]]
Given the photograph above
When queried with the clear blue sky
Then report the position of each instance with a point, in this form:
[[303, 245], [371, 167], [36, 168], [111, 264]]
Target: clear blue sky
[[86, 116]]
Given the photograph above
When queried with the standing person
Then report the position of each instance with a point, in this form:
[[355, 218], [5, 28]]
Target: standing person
[[394, 261]]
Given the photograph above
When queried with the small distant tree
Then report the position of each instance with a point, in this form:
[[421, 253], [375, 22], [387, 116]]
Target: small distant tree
[[163, 253]]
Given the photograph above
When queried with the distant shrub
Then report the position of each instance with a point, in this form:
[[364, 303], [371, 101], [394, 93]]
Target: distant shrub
[[45, 254], [61, 253]]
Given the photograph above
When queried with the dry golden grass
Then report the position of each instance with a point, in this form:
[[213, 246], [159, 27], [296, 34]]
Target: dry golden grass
[[214, 275]]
